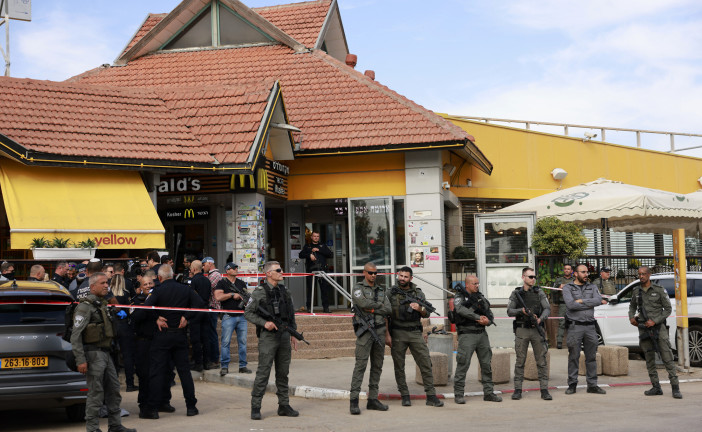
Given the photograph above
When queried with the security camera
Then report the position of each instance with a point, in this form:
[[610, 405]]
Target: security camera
[[590, 135], [446, 185]]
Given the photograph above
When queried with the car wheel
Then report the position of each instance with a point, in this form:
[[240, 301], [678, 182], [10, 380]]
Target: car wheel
[[695, 338], [76, 413]]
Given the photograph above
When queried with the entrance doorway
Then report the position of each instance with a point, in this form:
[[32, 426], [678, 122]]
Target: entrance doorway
[[185, 239], [335, 236]]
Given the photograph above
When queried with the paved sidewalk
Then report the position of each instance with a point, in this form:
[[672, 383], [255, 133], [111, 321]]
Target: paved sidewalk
[[331, 378]]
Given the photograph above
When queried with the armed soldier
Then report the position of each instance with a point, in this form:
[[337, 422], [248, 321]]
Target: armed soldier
[[274, 344], [472, 311], [372, 303], [91, 339], [557, 297], [529, 305], [648, 310], [405, 331], [604, 283]]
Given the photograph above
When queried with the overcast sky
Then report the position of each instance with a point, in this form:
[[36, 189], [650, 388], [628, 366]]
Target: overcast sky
[[624, 63]]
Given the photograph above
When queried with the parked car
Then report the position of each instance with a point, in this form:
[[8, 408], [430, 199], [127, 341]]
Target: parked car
[[33, 369], [615, 328]]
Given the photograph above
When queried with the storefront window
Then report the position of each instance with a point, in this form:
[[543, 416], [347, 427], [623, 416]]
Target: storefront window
[[399, 215], [505, 245], [371, 231]]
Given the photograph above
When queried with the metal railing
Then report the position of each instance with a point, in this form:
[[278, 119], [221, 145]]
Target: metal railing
[[602, 130]]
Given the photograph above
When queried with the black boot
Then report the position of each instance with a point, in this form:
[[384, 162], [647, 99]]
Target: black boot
[[406, 400], [286, 410], [517, 394], [676, 391], [375, 404], [355, 410], [432, 400], [545, 395], [255, 413], [654, 391]]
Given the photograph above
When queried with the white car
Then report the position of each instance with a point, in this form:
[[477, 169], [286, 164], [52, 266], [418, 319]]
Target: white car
[[613, 318]]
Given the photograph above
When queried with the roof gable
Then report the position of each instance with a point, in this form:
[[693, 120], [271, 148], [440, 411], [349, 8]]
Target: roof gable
[[169, 26]]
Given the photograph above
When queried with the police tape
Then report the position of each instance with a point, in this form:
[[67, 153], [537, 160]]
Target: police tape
[[262, 275], [237, 311]]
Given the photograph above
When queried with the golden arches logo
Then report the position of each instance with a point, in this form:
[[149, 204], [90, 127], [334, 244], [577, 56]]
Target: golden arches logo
[[189, 214]]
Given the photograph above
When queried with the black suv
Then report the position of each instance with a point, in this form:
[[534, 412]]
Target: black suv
[[32, 352]]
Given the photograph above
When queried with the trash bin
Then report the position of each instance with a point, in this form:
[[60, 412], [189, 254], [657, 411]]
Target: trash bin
[[442, 344]]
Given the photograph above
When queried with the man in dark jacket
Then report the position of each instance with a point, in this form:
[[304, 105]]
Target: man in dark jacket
[[315, 255], [199, 324], [170, 341]]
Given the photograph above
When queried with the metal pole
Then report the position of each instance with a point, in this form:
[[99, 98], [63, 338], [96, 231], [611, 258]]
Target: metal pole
[[312, 293]]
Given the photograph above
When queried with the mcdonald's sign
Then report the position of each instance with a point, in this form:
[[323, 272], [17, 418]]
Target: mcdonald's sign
[[272, 179], [188, 213]]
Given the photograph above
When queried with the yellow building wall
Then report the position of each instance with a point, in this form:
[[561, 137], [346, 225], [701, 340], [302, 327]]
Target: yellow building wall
[[523, 161], [346, 176]]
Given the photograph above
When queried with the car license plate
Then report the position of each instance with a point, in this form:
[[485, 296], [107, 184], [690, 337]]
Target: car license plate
[[24, 362]]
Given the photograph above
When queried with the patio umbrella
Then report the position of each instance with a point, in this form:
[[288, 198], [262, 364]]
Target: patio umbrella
[[625, 207]]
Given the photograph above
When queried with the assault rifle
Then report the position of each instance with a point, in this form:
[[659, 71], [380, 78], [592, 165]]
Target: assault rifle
[[476, 300], [365, 323], [532, 320], [648, 332], [410, 299], [280, 324]]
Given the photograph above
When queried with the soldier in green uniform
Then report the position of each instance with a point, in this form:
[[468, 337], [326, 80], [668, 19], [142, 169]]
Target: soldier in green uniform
[[471, 310], [371, 300], [654, 301], [557, 297], [91, 339], [405, 331], [604, 283], [529, 296], [273, 345]]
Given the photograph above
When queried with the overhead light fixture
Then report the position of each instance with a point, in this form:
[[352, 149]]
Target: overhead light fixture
[[449, 168], [559, 173]]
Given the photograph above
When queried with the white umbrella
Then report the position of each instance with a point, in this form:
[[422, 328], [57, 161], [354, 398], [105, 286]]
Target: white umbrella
[[626, 207]]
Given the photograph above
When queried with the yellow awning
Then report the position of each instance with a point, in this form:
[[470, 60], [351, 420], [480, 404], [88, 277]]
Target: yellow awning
[[111, 207]]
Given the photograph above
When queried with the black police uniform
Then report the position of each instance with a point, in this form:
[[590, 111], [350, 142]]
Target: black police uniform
[[171, 343], [198, 326]]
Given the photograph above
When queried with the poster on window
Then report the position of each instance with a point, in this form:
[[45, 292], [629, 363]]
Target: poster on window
[[417, 257]]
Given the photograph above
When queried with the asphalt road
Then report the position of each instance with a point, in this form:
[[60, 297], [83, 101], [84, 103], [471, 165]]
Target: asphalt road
[[227, 408]]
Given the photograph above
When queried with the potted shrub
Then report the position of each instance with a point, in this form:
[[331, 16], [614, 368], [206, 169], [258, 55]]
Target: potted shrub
[[58, 248]]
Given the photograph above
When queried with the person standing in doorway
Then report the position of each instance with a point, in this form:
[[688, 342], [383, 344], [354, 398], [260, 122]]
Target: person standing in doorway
[[315, 255]]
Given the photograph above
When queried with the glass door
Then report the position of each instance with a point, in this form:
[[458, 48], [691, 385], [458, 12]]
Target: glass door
[[503, 249], [372, 235]]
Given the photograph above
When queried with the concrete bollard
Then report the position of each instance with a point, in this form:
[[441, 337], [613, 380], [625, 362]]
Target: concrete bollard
[[439, 369], [442, 344], [581, 368], [531, 372], [615, 360], [501, 372]]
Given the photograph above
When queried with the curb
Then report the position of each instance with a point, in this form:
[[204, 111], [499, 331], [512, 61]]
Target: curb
[[309, 392]]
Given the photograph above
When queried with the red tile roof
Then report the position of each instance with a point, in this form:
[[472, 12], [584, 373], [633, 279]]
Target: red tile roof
[[302, 21], [335, 106], [175, 125]]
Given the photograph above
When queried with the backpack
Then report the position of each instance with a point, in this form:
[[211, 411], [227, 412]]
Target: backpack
[[68, 321]]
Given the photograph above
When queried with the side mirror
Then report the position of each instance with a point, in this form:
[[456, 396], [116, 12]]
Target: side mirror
[[613, 300]]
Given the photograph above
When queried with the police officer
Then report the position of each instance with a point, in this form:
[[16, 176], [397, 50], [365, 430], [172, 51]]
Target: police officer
[[200, 323], [405, 331], [529, 297], [472, 310], [91, 339], [170, 340], [604, 283], [557, 297], [273, 345], [372, 301], [649, 307], [60, 274], [581, 298]]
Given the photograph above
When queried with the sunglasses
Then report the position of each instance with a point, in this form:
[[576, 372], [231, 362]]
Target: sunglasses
[[372, 273], [278, 270], [531, 277]]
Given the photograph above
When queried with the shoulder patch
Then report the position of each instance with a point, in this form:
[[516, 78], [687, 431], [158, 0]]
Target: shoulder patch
[[357, 293], [250, 301], [77, 320]]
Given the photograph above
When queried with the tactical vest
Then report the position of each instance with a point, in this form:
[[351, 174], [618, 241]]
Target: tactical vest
[[402, 312], [99, 330], [460, 320], [279, 303], [532, 301]]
